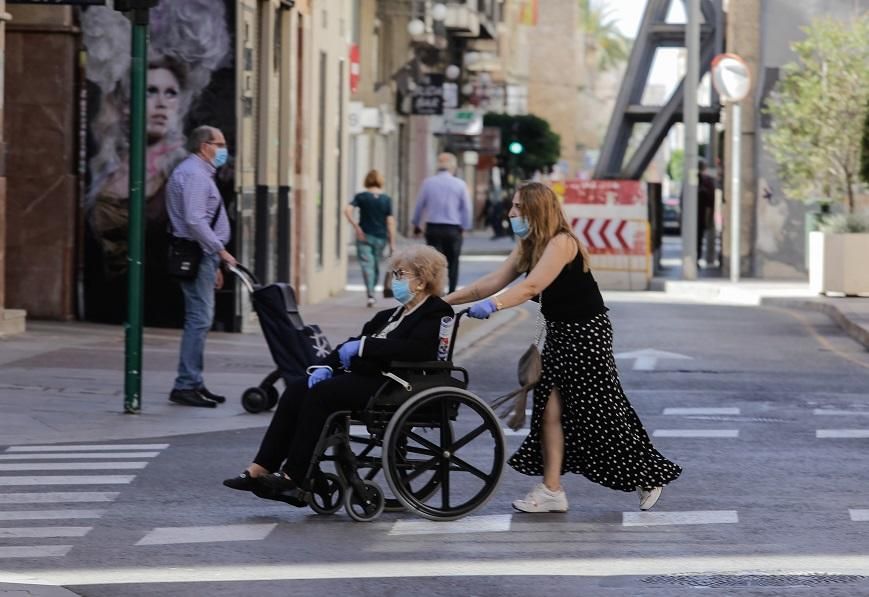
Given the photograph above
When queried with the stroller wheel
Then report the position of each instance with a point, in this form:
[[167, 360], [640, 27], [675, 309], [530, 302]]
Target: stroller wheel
[[255, 400], [272, 396]]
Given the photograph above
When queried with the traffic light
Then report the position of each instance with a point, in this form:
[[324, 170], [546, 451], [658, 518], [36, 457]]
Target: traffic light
[[515, 148]]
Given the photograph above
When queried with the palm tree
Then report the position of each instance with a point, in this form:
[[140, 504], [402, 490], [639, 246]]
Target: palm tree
[[603, 40]]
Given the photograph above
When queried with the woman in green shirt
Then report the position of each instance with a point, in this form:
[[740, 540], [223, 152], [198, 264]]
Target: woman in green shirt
[[375, 228]]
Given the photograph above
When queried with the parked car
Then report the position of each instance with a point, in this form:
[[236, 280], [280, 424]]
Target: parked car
[[672, 219]]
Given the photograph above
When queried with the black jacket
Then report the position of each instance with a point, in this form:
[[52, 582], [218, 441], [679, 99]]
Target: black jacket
[[415, 338]]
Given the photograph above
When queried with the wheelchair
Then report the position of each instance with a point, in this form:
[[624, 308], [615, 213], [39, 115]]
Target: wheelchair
[[439, 448]]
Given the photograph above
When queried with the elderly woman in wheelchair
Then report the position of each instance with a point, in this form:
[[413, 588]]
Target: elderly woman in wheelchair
[[375, 379]]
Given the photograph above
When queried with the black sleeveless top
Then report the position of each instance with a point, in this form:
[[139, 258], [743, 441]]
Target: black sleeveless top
[[573, 296]]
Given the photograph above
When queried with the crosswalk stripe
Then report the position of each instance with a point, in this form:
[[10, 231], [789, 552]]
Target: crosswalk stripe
[[42, 532], [701, 411], [841, 433], [207, 534], [634, 519], [68, 480], [494, 523], [716, 433], [838, 412], [859, 515], [58, 497], [71, 466], [87, 448], [35, 551], [78, 455], [49, 514]]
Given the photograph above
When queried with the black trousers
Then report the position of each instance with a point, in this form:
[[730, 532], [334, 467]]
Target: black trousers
[[447, 239], [298, 421]]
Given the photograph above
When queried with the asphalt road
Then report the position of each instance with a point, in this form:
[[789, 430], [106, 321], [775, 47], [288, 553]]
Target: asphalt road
[[764, 507]]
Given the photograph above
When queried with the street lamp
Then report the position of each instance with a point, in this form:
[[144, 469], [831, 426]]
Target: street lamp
[[439, 12], [416, 27]]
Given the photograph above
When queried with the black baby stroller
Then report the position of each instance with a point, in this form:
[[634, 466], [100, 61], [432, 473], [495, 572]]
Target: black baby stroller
[[294, 346]]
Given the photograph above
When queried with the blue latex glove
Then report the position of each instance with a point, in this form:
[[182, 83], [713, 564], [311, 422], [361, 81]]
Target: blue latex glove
[[347, 351], [482, 310], [318, 375]]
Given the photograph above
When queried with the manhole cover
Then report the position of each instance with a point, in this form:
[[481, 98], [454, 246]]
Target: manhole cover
[[753, 580]]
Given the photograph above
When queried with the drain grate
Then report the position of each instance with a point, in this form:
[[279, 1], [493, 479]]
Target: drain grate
[[753, 580]]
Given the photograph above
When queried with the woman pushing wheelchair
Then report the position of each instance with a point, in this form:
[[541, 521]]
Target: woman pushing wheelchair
[[581, 421], [349, 376]]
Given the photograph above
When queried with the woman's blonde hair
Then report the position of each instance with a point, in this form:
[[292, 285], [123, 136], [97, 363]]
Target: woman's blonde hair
[[426, 263], [374, 179], [540, 206]]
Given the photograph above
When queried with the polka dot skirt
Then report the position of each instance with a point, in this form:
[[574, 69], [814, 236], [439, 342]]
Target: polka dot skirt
[[604, 439]]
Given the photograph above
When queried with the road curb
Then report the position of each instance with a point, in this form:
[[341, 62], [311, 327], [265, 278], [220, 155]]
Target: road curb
[[851, 327], [25, 590]]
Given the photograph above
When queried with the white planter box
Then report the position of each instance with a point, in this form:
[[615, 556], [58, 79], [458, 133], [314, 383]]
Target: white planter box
[[839, 263]]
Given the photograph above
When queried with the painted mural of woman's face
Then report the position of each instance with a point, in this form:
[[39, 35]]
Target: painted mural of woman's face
[[163, 97]]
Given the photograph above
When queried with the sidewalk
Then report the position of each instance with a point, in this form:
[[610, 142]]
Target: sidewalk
[[63, 382], [850, 313], [476, 242]]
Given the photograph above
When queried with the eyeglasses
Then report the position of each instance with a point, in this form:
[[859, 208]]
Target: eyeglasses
[[400, 274], [215, 143]]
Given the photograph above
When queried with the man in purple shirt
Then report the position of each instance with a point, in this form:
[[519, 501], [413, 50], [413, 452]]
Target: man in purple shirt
[[196, 212], [444, 205]]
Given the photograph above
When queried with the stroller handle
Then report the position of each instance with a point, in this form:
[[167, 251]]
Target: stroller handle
[[245, 275]]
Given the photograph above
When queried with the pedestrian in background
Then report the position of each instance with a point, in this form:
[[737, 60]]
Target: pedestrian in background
[[705, 206], [443, 206], [581, 421], [196, 213], [374, 230]]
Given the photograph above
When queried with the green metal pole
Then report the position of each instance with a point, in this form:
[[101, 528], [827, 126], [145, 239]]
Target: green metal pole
[[135, 268]]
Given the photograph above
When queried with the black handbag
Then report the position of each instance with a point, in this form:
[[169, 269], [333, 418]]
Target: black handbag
[[185, 254]]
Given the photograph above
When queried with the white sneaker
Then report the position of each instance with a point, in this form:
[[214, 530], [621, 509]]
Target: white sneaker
[[542, 499], [371, 301], [649, 497]]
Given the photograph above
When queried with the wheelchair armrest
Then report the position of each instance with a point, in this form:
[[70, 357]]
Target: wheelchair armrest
[[418, 365]]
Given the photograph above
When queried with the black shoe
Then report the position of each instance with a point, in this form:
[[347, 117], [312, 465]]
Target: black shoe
[[243, 482], [217, 398], [191, 398], [278, 488]]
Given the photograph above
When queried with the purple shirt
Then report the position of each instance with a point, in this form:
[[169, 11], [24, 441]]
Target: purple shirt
[[444, 199], [192, 200]]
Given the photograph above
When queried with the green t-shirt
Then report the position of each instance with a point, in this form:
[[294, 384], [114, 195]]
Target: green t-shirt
[[373, 210]]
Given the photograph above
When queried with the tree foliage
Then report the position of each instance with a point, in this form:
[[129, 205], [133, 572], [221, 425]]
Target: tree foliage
[[542, 145], [602, 36], [818, 110]]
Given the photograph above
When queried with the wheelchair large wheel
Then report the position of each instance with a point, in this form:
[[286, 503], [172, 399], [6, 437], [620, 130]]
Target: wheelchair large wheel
[[453, 439]]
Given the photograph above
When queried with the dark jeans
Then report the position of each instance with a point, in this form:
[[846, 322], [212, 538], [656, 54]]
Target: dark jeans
[[447, 239], [198, 317], [300, 416]]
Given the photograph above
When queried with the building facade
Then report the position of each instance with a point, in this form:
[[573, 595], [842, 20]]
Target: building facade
[[272, 74]]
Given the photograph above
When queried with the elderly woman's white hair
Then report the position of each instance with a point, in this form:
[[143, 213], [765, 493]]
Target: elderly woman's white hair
[[426, 263]]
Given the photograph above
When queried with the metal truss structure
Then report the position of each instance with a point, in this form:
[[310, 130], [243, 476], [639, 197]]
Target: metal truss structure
[[655, 33]]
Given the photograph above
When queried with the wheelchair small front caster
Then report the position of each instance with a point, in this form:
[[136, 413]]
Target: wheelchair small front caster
[[364, 508], [327, 495]]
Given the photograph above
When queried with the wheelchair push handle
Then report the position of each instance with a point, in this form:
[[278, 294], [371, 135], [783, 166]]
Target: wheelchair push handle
[[245, 276]]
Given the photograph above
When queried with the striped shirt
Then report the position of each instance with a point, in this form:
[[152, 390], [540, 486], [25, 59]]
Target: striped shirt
[[192, 200], [444, 199]]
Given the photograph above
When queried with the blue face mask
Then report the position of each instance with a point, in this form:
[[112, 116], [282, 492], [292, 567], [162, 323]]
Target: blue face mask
[[220, 157], [401, 291], [520, 226]]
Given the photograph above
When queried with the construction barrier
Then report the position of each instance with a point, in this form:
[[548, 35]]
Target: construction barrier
[[611, 218]]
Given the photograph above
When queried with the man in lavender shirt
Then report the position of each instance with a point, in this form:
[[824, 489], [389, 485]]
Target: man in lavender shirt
[[444, 205], [196, 212]]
